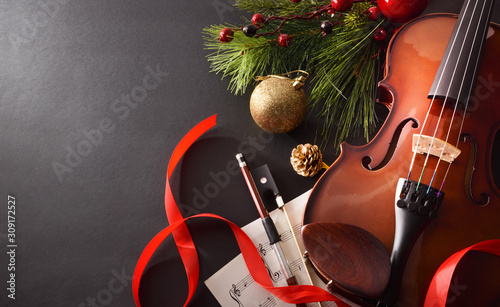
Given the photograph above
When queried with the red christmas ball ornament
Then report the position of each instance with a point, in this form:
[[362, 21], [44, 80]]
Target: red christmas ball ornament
[[284, 40], [342, 5], [373, 13], [226, 35], [402, 10], [258, 19], [296, 1], [379, 34]]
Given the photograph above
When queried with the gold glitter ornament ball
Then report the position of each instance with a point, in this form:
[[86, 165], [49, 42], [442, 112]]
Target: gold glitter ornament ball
[[277, 106]]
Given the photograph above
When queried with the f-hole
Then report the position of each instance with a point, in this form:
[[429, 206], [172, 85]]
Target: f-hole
[[469, 173], [367, 160], [495, 159]]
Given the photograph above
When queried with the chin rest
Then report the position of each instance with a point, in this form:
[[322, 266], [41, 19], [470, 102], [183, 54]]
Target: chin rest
[[352, 259]]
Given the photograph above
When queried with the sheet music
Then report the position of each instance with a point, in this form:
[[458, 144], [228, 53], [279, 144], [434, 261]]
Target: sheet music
[[234, 286]]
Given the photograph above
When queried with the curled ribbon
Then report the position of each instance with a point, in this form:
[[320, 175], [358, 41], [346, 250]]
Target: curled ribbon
[[440, 284], [438, 290], [187, 250]]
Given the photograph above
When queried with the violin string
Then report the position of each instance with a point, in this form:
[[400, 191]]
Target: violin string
[[427, 116], [467, 102], [458, 95], [430, 106]]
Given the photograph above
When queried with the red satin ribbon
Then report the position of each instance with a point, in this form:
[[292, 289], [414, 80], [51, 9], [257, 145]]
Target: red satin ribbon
[[177, 227], [437, 293], [440, 284]]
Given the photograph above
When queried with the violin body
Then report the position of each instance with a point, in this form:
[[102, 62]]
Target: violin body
[[360, 186]]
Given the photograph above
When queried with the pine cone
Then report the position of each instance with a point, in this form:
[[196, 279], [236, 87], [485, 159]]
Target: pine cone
[[307, 160]]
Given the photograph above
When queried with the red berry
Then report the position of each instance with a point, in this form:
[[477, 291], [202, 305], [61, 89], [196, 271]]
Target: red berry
[[249, 30], [402, 10], [258, 19], [284, 40], [342, 5], [326, 27], [373, 13], [380, 34], [296, 1], [226, 35]]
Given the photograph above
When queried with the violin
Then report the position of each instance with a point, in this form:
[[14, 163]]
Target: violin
[[424, 186]]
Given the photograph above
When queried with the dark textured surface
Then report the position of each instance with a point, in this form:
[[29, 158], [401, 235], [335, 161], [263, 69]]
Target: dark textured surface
[[67, 71]]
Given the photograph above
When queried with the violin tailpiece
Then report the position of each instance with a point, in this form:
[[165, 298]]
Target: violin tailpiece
[[416, 205]]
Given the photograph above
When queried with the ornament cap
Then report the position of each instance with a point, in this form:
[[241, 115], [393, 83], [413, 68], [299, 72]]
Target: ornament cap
[[299, 82]]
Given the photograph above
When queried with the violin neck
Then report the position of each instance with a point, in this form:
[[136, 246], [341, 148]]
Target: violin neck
[[456, 75]]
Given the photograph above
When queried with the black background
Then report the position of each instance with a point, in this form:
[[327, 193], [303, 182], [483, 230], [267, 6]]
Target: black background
[[59, 81]]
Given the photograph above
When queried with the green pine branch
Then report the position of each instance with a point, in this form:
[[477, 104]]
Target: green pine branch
[[246, 57], [279, 7], [343, 64], [344, 81]]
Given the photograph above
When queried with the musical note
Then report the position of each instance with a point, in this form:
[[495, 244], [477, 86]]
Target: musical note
[[263, 249], [285, 236], [236, 277], [270, 301], [237, 289], [235, 293]]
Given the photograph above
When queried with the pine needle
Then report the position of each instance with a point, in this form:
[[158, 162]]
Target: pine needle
[[279, 7], [343, 64]]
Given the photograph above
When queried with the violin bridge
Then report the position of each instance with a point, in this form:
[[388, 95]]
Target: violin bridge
[[439, 148]]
